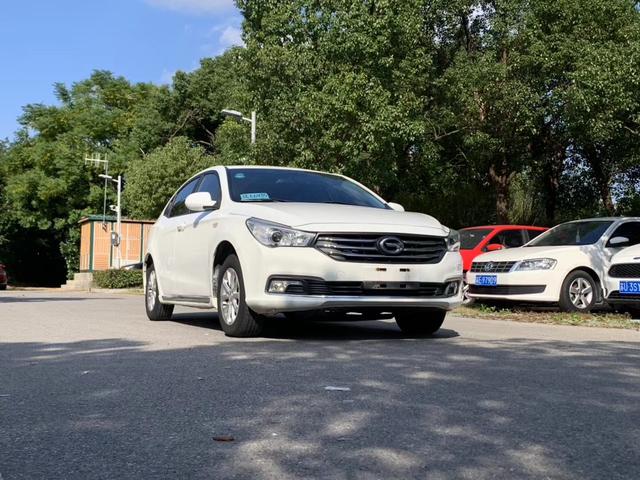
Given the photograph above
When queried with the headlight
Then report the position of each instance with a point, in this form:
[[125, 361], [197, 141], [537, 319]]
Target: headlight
[[276, 235], [453, 241], [535, 264]]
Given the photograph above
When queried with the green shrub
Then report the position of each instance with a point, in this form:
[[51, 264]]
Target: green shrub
[[118, 279]]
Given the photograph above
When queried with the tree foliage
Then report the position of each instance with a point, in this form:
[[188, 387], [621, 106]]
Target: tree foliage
[[153, 179]]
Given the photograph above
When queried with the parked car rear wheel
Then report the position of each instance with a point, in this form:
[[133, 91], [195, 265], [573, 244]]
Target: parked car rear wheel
[[579, 292], [155, 309], [236, 318], [423, 321], [3, 287]]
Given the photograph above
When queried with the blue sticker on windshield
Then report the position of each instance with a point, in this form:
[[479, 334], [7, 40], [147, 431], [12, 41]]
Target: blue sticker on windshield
[[239, 175], [248, 197]]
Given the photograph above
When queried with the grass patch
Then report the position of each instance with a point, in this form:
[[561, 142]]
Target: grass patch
[[548, 316]]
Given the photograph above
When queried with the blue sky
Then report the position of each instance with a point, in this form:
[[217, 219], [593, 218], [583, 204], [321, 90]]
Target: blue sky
[[48, 41]]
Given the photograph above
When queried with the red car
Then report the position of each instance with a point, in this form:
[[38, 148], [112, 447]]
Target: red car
[[477, 240], [3, 277]]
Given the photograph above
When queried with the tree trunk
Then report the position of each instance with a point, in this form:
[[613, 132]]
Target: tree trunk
[[603, 181], [501, 180], [554, 166]]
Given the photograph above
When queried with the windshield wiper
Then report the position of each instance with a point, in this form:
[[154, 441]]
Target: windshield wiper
[[342, 203]]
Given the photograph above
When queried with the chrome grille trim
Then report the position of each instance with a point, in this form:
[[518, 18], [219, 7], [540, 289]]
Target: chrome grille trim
[[491, 267], [363, 248]]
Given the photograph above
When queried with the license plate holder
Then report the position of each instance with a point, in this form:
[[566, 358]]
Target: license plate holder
[[486, 280]]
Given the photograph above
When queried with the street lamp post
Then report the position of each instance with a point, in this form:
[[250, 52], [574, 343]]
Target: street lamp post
[[241, 118], [118, 209]]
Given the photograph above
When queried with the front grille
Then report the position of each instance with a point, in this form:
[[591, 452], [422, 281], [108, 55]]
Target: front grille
[[616, 295], [506, 289], [312, 286], [625, 270], [364, 248], [492, 267]]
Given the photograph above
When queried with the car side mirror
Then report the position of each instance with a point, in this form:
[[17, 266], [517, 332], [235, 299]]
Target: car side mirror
[[396, 206], [492, 247], [200, 202], [618, 241]]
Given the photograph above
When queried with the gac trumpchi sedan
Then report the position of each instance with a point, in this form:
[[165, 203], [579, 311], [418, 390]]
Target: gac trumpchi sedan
[[622, 281], [253, 242], [566, 265]]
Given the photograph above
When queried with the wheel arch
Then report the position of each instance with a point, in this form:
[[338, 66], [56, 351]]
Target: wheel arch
[[595, 276], [223, 250]]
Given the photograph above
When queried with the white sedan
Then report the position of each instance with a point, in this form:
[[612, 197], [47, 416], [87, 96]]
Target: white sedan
[[565, 265], [259, 241], [623, 279]]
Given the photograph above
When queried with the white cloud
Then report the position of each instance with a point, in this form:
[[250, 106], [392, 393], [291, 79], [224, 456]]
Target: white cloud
[[166, 78], [194, 6], [231, 36]]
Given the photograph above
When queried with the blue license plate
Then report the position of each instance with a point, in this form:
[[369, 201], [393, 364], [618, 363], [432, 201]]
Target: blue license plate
[[487, 280], [629, 288]]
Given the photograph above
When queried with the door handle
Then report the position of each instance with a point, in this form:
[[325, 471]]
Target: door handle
[[180, 228]]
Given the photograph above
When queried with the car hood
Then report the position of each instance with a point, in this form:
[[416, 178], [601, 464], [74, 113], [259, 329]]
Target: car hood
[[628, 255], [342, 218], [524, 253]]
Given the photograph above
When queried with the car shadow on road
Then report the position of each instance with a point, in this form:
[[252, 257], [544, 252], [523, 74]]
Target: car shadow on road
[[28, 299], [282, 328]]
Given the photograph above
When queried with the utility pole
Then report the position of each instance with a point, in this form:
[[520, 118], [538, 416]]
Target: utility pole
[[117, 240]]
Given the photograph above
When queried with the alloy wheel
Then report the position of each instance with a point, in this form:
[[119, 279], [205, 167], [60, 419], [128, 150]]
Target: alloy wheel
[[152, 288], [230, 296], [581, 293]]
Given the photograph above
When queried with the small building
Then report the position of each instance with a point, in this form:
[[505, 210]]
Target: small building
[[96, 250]]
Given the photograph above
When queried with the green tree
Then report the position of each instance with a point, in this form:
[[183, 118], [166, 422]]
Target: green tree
[[152, 180]]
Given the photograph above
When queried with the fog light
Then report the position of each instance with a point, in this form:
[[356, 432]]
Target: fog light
[[452, 289], [280, 286]]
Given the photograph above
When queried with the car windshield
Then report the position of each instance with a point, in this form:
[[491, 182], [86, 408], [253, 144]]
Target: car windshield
[[282, 185], [471, 238], [573, 233]]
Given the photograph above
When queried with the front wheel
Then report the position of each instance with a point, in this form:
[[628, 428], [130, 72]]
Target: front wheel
[[578, 293], [423, 321], [236, 318], [155, 309]]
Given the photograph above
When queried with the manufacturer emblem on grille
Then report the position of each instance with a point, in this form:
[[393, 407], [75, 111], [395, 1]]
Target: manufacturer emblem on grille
[[488, 267], [390, 245]]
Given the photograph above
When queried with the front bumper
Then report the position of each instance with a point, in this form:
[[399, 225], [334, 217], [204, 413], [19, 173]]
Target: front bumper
[[309, 262], [612, 286], [529, 286]]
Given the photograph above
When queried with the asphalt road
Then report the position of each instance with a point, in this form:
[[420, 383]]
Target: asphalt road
[[89, 389]]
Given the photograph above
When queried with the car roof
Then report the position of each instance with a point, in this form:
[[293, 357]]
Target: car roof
[[506, 227], [606, 219]]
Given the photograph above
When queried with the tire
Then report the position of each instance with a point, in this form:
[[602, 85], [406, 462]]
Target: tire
[[236, 318], [3, 287], [422, 322], [579, 292], [155, 310]]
